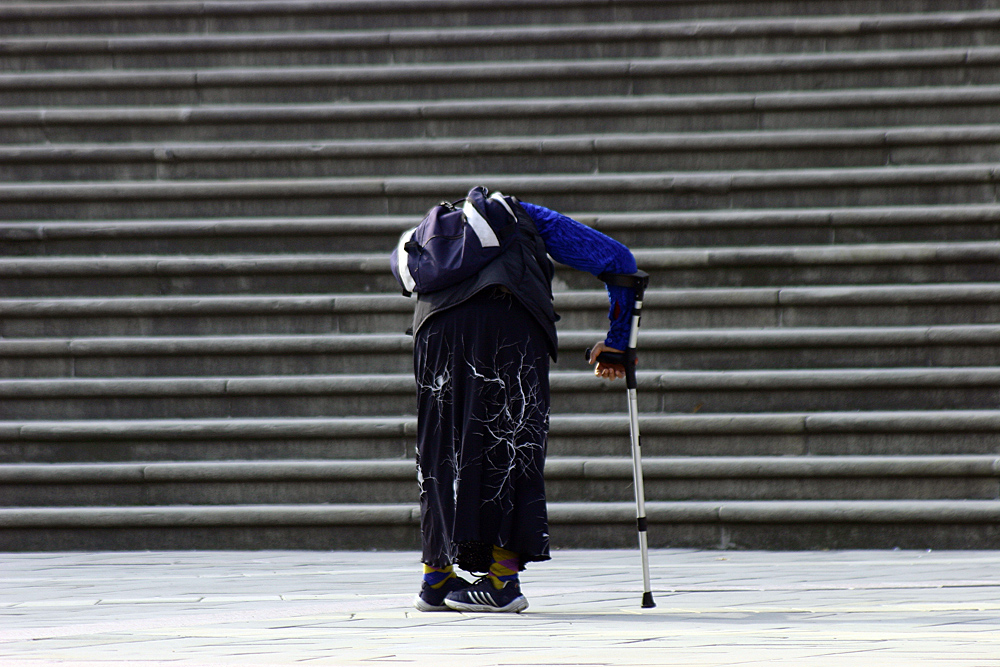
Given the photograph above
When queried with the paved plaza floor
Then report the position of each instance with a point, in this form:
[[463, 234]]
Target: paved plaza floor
[[821, 609]]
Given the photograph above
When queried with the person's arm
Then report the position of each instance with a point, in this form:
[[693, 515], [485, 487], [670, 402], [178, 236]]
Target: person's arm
[[577, 245]]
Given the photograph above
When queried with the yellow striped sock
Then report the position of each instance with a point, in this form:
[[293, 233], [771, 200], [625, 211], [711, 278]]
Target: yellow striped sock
[[505, 567], [436, 576]]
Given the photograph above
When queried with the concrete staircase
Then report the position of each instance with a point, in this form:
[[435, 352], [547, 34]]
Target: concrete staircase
[[201, 345]]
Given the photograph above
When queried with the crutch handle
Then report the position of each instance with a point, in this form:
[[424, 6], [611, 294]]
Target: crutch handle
[[606, 357]]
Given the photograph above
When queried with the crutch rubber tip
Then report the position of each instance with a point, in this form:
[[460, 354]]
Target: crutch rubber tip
[[647, 601]]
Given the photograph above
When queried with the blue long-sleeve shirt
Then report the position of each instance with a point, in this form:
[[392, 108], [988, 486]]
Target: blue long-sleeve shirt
[[577, 245]]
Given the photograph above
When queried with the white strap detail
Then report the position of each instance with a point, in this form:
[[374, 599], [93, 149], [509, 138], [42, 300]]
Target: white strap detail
[[403, 258], [487, 237], [482, 598], [499, 197]]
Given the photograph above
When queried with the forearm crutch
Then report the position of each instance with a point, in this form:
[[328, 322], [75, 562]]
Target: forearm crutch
[[637, 282]]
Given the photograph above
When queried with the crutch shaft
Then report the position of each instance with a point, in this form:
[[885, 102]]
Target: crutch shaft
[[637, 282], [640, 491]]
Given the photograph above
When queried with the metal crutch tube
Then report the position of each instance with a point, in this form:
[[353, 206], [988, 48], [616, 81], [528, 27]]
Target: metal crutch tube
[[637, 282]]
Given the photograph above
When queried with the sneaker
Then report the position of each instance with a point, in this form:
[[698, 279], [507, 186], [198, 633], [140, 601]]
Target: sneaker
[[432, 599], [484, 596]]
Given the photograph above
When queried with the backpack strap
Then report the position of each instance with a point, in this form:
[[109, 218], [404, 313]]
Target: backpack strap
[[500, 197], [407, 281], [491, 232], [479, 224]]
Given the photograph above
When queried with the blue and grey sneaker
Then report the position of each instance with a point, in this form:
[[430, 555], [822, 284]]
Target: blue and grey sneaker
[[484, 596], [432, 599]]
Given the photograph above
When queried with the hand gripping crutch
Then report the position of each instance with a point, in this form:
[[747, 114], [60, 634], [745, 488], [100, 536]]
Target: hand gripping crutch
[[637, 282]]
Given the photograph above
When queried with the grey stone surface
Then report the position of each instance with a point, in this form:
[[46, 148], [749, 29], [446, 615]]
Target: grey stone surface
[[537, 78], [776, 35], [925, 433], [746, 308], [856, 186], [668, 229], [346, 395], [192, 17], [822, 609], [841, 264], [694, 349], [822, 148], [568, 479], [905, 107], [711, 524]]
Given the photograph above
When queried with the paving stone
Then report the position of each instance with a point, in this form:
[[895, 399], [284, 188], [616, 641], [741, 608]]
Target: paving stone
[[742, 608]]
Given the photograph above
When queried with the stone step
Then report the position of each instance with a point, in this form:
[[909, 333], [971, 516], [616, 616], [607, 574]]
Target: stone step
[[228, 235], [313, 273], [794, 109], [938, 524], [609, 153], [505, 42], [566, 480], [660, 392], [816, 433], [751, 307], [861, 305], [862, 186], [224, 315], [191, 17], [916, 104], [823, 265], [207, 355], [329, 438], [677, 229], [205, 275], [505, 80], [827, 347], [693, 349], [788, 434]]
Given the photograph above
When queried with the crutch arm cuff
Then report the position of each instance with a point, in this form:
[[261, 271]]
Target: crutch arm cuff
[[637, 281]]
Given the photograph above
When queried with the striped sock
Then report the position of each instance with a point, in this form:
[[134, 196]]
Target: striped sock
[[436, 576], [505, 567]]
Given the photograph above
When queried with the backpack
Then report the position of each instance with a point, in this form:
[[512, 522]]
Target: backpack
[[453, 243]]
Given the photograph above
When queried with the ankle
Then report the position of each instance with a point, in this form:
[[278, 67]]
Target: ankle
[[505, 567], [499, 583], [435, 577]]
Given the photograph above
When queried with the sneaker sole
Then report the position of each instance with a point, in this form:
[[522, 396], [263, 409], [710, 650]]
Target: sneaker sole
[[421, 605], [515, 606]]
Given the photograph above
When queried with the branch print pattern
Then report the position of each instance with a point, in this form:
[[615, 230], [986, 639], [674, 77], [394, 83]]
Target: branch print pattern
[[483, 400]]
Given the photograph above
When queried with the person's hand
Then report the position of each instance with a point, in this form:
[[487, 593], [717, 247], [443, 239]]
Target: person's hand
[[603, 370]]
